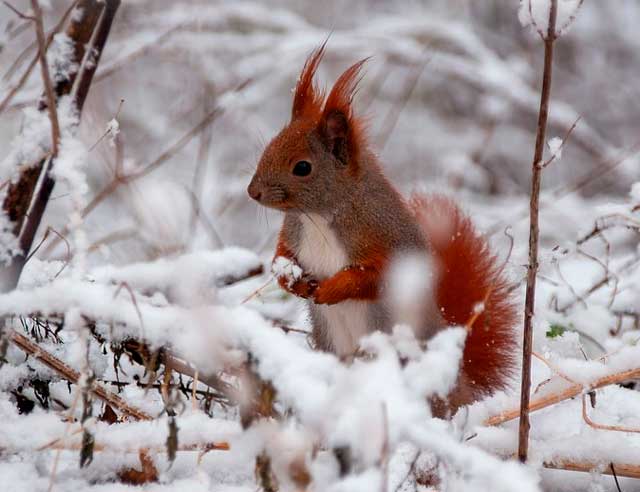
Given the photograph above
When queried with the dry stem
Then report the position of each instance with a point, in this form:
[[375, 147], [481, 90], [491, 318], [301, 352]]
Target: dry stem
[[534, 207]]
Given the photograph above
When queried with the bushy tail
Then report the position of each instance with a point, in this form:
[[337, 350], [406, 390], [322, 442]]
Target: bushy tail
[[471, 291]]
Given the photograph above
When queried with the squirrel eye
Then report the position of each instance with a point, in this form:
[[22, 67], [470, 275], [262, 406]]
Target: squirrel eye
[[302, 168]]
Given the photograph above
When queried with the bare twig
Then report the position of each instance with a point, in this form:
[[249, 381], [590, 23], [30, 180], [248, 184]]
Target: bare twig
[[211, 380], [108, 130], [621, 469], [18, 13], [615, 477], [46, 78], [534, 207], [99, 447], [595, 425], [570, 391]]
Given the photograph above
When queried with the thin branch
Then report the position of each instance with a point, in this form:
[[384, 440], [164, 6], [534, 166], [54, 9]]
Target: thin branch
[[46, 79], [18, 13], [213, 381], [615, 477], [564, 394], [595, 425], [534, 210], [621, 469], [99, 447]]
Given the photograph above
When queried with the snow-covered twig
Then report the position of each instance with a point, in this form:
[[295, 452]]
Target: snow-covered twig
[[73, 376], [564, 394]]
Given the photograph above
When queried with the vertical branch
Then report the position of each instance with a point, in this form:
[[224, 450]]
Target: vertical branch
[[27, 198], [46, 78], [534, 207]]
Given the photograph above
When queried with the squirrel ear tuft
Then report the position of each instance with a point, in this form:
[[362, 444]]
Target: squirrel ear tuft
[[307, 101], [337, 123]]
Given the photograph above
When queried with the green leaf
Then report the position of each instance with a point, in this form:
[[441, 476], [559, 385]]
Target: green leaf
[[555, 330]]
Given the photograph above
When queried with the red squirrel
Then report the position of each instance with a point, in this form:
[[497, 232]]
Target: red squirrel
[[344, 222]]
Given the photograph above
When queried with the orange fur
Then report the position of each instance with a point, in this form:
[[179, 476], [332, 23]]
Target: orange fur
[[469, 275], [307, 99], [360, 282]]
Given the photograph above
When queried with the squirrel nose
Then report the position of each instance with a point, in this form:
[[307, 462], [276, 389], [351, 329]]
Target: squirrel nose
[[254, 191]]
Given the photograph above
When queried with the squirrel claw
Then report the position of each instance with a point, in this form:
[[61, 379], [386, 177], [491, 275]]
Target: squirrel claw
[[304, 287]]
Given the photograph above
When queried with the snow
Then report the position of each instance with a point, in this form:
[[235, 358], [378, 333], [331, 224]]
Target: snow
[[9, 246], [113, 129], [59, 56], [284, 267], [555, 147]]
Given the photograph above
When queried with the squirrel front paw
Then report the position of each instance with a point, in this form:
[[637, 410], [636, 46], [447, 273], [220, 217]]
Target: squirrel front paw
[[292, 278], [304, 287]]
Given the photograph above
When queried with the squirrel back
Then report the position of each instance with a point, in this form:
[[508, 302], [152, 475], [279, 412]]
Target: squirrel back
[[344, 224]]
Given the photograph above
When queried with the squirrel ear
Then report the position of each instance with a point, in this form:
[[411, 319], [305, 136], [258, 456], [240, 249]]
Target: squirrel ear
[[307, 100], [337, 124], [336, 131]]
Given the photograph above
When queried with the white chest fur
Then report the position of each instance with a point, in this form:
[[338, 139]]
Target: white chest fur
[[322, 254], [321, 251]]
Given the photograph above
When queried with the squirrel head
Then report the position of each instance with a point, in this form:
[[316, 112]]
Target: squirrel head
[[314, 160]]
